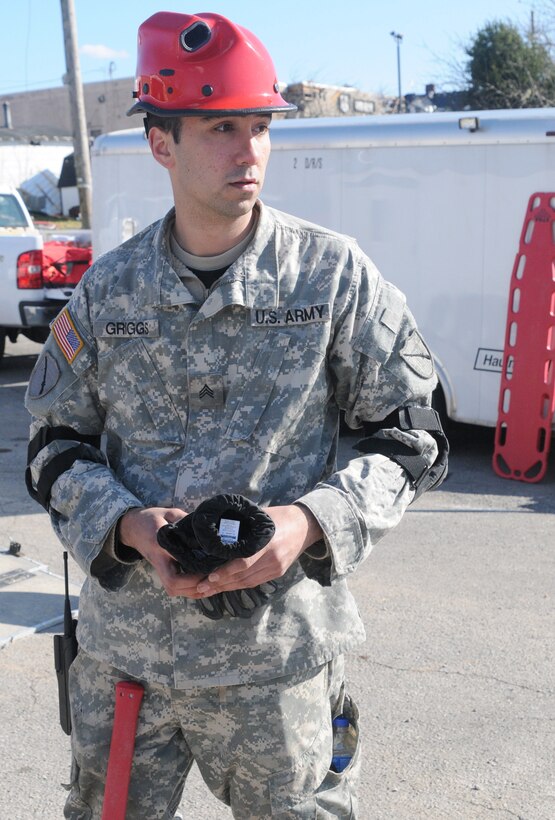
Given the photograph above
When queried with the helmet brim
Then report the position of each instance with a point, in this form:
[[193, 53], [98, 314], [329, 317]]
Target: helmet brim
[[148, 108]]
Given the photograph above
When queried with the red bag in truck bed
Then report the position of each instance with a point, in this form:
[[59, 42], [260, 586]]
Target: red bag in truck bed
[[64, 263]]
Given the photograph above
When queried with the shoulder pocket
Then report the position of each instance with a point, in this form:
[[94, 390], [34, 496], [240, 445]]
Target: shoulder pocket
[[377, 335], [54, 378]]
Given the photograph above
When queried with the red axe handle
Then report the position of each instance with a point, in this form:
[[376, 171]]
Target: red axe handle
[[128, 702]]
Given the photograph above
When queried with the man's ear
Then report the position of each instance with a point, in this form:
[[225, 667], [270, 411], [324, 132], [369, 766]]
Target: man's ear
[[161, 145]]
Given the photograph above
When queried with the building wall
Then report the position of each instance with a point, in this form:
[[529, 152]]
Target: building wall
[[318, 100], [44, 110], [47, 111]]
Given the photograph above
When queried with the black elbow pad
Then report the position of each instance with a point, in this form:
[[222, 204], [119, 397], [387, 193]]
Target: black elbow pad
[[422, 477], [58, 464]]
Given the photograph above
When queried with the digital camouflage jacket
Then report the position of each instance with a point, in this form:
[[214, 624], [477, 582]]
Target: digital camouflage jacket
[[240, 394]]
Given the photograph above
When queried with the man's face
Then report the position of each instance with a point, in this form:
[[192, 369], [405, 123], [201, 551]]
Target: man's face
[[217, 168]]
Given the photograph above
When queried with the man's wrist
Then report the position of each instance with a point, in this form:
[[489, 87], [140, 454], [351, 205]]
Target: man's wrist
[[314, 532], [124, 552], [316, 546]]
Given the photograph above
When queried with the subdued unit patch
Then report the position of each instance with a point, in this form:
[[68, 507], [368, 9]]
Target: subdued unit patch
[[44, 376], [416, 354]]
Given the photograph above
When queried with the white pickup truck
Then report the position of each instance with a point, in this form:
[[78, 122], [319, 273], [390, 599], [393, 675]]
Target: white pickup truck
[[28, 301]]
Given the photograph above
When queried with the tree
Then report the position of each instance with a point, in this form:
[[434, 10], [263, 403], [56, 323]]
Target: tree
[[504, 70]]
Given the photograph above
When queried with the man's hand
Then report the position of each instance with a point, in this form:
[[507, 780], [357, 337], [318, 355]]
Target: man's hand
[[138, 529], [296, 529]]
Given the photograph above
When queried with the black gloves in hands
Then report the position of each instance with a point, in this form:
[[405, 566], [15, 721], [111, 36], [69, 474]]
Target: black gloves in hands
[[256, 528], [200, 543], [239, 603]]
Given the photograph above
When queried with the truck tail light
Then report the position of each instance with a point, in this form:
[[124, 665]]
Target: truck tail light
[[29, 270]]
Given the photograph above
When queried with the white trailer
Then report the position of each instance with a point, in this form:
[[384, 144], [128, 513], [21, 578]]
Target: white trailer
[[436, 200]]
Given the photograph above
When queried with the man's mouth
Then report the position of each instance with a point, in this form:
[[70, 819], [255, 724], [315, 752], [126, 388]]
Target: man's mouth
[[244, 183]]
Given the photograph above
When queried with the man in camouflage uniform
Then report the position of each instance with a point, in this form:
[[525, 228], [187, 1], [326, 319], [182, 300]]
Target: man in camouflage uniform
[[214, 352]]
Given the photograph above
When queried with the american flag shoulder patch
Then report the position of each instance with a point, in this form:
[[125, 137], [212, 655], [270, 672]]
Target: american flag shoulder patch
[[66, 335]]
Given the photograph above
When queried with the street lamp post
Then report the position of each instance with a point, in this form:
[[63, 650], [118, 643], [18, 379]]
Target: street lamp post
[[399, 39]]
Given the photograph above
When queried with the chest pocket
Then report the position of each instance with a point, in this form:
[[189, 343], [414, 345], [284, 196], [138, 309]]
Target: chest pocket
[[269, 406], [138, 406]]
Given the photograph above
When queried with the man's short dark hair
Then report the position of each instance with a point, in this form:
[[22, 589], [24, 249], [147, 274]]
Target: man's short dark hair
[[170, 125]]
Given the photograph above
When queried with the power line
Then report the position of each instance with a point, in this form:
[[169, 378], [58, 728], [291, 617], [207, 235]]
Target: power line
[[14, 89]]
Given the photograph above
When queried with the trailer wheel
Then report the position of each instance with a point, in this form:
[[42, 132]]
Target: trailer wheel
[[440, 405]]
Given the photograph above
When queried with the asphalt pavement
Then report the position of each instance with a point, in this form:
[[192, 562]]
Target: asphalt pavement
[[455, 682]]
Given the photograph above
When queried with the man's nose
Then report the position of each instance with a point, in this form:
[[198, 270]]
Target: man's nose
[[249, 151]]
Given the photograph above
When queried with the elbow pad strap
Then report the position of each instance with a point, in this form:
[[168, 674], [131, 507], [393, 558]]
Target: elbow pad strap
[[422, 477], [47, 434], [408, 418], [411, 461]]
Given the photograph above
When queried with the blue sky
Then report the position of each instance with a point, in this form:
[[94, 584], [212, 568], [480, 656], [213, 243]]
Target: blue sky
[[336, 43]]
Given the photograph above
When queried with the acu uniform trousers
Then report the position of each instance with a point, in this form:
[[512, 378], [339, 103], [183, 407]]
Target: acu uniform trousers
[[263, 748]]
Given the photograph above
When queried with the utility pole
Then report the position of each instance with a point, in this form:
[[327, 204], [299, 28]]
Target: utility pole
[[532, 27], [399, 39], [77, 105]]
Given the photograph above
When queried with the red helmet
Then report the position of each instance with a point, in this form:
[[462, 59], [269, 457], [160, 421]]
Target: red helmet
[[198, 64]]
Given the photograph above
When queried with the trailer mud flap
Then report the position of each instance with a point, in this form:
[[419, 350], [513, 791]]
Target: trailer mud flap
[[527, 390]]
